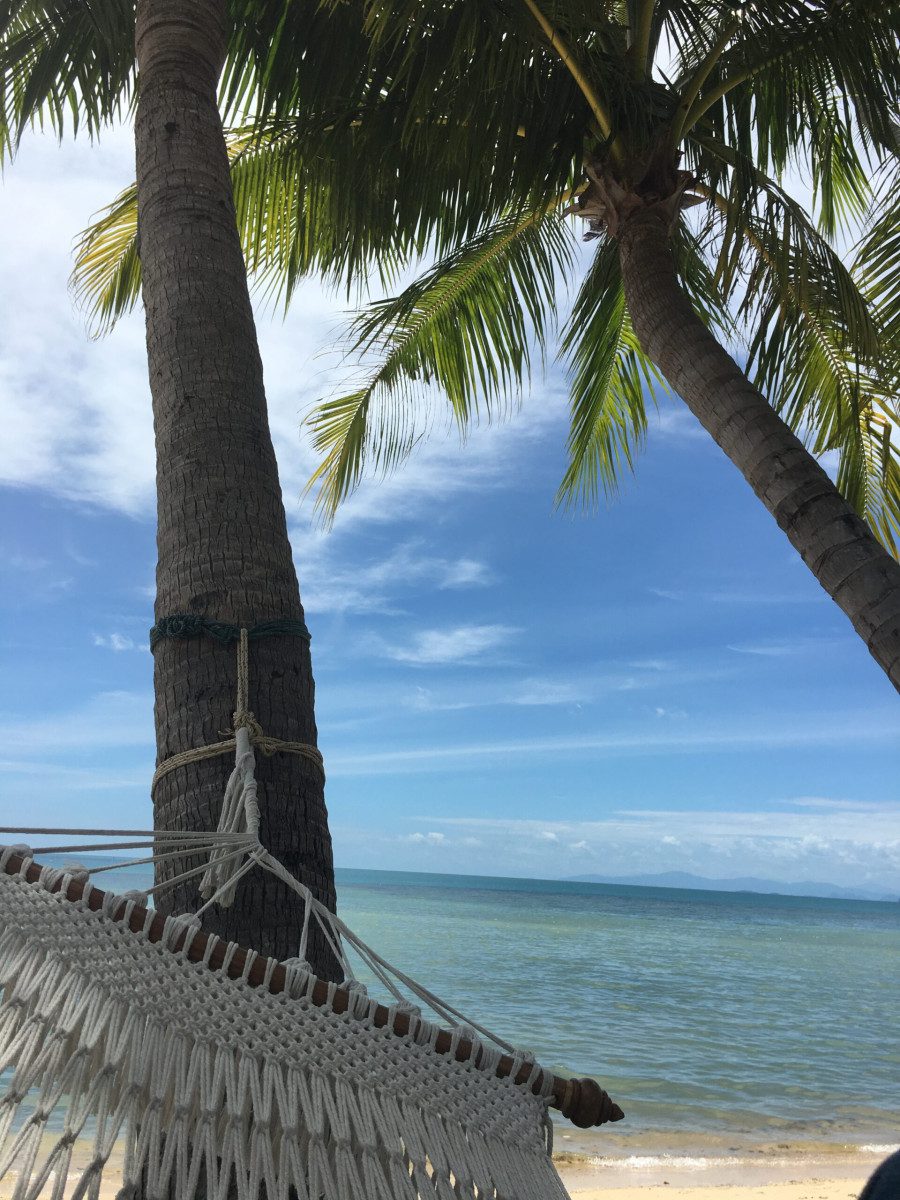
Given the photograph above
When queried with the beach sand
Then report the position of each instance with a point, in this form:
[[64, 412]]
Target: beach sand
[[772, 1176], [778, 1180], [812, 1189], [582, 1189], [768, 1173]]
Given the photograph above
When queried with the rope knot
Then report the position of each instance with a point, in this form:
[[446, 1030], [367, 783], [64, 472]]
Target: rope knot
[[242, 718], [246, 720]]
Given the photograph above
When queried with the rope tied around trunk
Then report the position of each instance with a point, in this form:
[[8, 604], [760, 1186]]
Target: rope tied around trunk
[[188, 625], [243, 718], [240, 806]]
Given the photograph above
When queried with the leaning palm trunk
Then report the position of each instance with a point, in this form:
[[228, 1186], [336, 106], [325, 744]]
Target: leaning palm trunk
[[224, 552], [834, 542]]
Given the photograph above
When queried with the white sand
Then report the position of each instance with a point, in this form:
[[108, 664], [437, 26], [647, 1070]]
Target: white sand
[[812, 1189], [774, 1177]]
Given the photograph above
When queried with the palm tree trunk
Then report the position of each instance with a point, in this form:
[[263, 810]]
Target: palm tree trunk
[[833, 541], [222, 536]]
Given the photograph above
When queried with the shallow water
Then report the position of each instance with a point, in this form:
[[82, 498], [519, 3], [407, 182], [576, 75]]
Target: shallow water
[[718, 1020], [731, 1015]]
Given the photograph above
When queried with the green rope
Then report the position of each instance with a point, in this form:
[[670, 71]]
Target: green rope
[[188, 625]]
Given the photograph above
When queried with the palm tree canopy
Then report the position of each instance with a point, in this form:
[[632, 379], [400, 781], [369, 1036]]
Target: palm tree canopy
[[381, 132]]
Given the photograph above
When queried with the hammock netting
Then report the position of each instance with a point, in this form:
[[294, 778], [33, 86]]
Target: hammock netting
[[220, 1088], [232, 1077]]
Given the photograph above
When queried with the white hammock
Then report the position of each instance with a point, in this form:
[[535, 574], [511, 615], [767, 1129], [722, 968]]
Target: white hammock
[[219, 1084], [233, 1077]]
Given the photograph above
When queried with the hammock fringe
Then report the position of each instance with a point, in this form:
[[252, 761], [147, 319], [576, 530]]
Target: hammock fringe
[[214, 1082]]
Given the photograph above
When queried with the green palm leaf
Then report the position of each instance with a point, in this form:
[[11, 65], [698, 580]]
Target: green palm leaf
[[814, 345], [608, 374], [869, 470], [873, 471], [466, 325], [64, 63], [106, 278], [786, 63], [437, 129], [876, 262]]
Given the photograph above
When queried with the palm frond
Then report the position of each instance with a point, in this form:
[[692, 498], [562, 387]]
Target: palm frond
[[295, 219], [765, 230], [448, 116], [64, 63], [869, 470], [789, 61], [876, 264], [467, 325], [608, 373], [106, 277], [692, 251], [875, 465], [288, 229], [815, 347]]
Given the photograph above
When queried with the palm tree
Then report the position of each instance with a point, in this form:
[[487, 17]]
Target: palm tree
[[474, 132], [224, 554]]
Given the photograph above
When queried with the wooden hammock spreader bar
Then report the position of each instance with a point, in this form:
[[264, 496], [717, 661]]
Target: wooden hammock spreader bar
[[583, 1101]]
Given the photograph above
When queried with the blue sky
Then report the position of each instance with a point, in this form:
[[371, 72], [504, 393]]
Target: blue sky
[[502, 689]]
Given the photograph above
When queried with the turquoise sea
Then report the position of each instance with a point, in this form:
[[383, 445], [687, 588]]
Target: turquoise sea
[[714, 1018], [718, 1020]]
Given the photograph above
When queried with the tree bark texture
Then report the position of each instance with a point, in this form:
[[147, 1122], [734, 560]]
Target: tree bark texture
[[833, 540], [222, 535]]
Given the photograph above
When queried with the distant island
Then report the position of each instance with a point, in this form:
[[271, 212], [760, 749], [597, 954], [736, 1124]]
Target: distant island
[[683, 879]]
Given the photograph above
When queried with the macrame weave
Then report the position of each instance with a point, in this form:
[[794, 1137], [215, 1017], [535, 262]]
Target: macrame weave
[[222, 1089]]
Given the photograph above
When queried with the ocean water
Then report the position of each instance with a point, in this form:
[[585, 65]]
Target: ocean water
[[718, 1020], [714, 1018]]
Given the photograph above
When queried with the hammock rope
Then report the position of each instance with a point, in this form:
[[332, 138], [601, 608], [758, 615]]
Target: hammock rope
[[218, 1064], [232, 1076], [243, 720]]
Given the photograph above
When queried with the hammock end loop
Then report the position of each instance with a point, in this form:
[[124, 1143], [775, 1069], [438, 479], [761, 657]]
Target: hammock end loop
[[586, 1104]]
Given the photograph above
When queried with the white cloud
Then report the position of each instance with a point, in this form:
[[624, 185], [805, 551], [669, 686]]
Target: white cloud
[[331, 585], [780, 731], [466, 572], [677, 421], [766, 649], [776, 648], [425, 839], [855, 849], [115, 641], [825, 804], [536, 693], [738, 596], [463, 644], [502, 688], [106, 721], [529, 693], [749, 596], [49, 777], [62, 761], [23, 562], [442, 467], [78, 421], [880, 828]]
